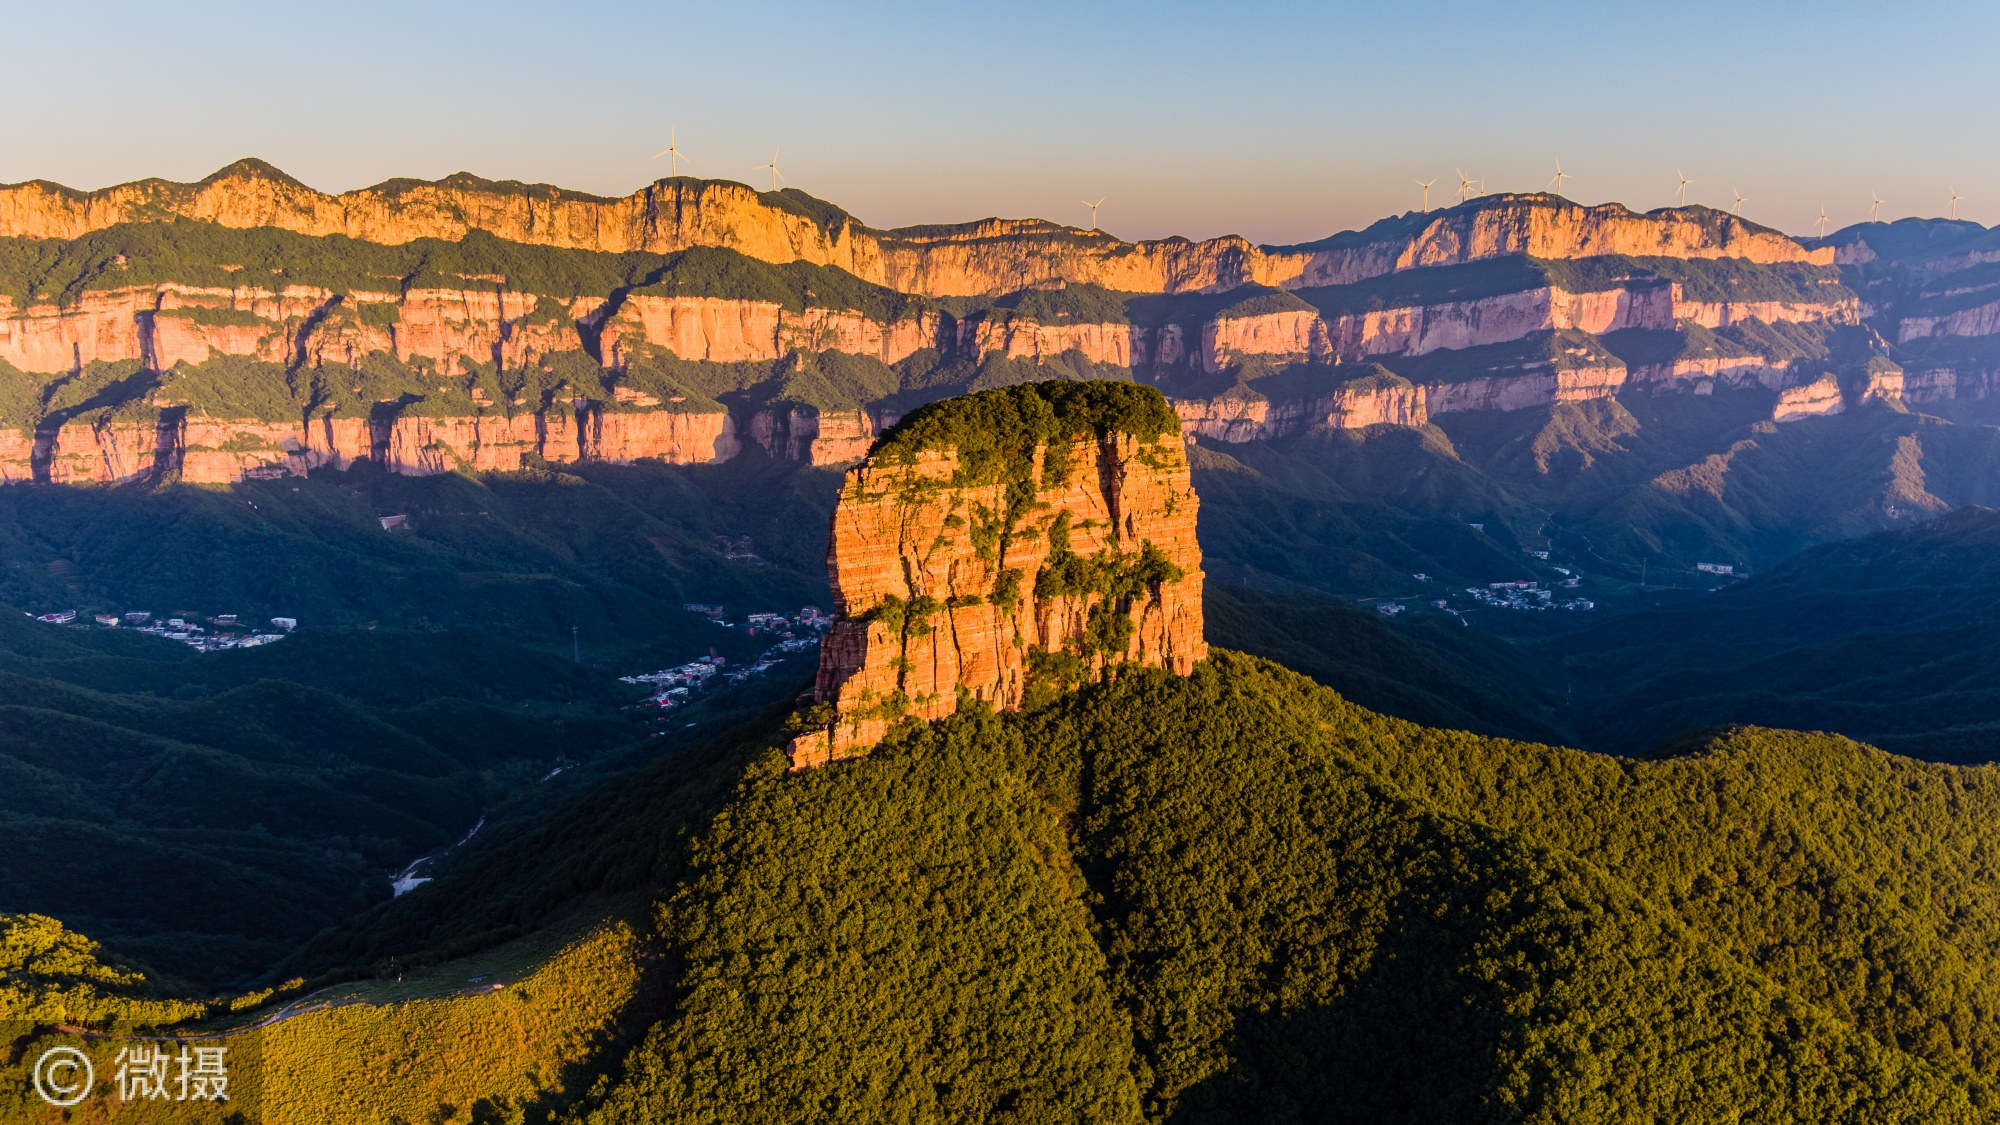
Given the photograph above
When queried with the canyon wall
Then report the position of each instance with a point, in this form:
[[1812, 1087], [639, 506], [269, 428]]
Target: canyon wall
[[969, 259], [92, 449], [166, 324], [447, 332], [948, 585], [1979, 320], [1349, 406]]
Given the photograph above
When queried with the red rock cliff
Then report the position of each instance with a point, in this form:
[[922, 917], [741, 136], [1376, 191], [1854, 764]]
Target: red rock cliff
[[955, 579], [966, 259]]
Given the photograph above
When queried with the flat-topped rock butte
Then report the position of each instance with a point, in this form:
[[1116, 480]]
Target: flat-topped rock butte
[[965, 569]]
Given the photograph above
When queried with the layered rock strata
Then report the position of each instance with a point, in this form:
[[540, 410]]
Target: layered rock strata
[[1453, 325], [969, 259], [1809, 400], [1351, 405], [1979, 320], [955, 582], [168, 324], [449, 330], [204, 450]]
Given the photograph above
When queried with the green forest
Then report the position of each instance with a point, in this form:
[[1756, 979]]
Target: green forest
[[1238, 896], [1234, 896]]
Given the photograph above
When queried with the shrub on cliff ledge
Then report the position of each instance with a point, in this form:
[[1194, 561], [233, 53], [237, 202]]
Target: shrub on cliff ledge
[[996, 432]]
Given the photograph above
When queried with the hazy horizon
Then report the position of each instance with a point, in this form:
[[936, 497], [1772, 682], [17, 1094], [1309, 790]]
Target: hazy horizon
[[1278, 123]]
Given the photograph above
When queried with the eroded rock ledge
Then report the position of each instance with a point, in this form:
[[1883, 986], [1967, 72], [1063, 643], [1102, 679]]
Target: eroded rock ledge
[[1035, 535]]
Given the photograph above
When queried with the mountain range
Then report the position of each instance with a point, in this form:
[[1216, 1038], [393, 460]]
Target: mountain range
[[1210, 624]]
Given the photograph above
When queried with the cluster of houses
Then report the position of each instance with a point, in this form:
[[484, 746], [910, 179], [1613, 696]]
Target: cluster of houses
[[1526, 595], [203, 634], [788, 633]]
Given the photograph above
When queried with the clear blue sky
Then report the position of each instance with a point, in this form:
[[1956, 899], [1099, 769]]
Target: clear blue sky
[[1280, 122]]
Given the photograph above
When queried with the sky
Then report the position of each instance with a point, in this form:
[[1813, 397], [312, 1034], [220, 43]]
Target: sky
[[1278, 122]]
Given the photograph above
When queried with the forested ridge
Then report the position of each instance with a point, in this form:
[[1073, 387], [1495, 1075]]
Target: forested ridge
[[1237, 896], [1231, 896]]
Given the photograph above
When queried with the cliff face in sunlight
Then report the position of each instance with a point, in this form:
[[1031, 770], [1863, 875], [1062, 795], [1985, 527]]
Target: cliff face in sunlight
[[249, 325], [992, 256], [954, 578]]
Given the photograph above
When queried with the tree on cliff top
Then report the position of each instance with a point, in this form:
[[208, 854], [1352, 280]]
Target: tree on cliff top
[[997, 431]]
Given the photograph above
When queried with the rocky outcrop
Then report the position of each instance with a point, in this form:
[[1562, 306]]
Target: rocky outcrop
[[1123, 345], [1294, 334], [1702, 375], [1424, 329], [733, 331], [1302, 336], [958, 576], [167, 324], [1943, 383], [1722, 314], [1521, 391], [1979, 320], [1353, 405], [200, 449], [992, 256], [1536, 225], [801, 433], [1883, 382], [1809, 400]]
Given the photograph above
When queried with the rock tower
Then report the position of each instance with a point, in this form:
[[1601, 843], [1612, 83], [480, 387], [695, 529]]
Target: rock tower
[[1035, 531]]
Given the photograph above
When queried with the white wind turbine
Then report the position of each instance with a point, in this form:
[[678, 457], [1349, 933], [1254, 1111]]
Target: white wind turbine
[[673, 154], [1822, 221], [773, 166], [1557, 180], [1093, 208], [1955, 197], [1465, 186], [1426, 185], [1684, 186], [1740, 201], [1875, 208]]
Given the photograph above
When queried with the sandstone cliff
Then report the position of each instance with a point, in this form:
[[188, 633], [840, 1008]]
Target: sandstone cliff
[[198, 449], [1809, 400], [993, 256], [1351, 399], [1979, 320], [470, 331], [1421, 329], [1038, 531]]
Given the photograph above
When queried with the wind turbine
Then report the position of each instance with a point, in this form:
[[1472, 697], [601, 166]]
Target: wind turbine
[[1557, 180], [1684, 186], [1822, 221], [773, 166], [1740, 201], [1464, 186], [673, 154], [1093, 208], [1875, 208], [1955, 197], [1426, 185]]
